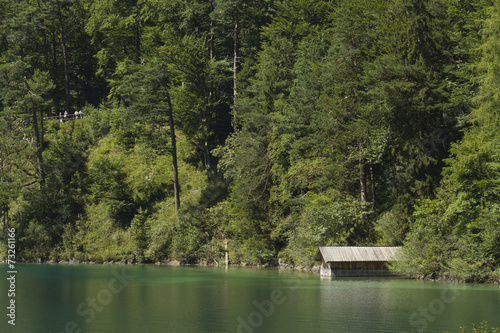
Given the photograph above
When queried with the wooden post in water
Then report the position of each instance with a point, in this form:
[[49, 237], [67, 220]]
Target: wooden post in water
[[227, 253]]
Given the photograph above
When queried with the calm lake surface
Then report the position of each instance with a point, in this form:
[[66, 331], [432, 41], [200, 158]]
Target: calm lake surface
[[119, 298]]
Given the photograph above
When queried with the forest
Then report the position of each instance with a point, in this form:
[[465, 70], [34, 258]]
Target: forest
[[263, 128]]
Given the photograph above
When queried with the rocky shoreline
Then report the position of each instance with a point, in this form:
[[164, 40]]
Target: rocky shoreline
[[132, 261], [450, 278]]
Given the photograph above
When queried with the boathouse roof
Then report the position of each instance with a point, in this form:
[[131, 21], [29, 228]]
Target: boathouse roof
[[356, 253]]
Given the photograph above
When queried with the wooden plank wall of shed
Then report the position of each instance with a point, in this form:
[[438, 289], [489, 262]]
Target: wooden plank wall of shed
[[358, 265]]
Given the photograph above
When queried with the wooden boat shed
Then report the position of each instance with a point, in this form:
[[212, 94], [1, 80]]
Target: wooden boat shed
[[355, 260]]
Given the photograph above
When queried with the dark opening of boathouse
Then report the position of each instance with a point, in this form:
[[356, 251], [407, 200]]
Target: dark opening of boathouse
[[355, 260]]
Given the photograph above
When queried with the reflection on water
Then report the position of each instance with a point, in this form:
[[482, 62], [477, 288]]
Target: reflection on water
[[108, 298]]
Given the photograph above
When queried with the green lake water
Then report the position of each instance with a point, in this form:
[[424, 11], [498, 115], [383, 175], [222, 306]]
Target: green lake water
[[144, 299]]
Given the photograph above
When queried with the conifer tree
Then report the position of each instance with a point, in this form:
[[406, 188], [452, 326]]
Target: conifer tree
[[459, 232]]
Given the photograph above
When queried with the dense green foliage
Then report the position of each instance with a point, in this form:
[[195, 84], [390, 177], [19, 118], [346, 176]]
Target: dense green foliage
[[281, 125], [457, 232]]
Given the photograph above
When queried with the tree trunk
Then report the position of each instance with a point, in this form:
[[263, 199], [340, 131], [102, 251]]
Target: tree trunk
[[372, 183], [362, 181], [235, 47], [39, 148], [206, 149], [45, 43], [42, 134], [55, 68], [362, 184], [174, 152], [362, 176], [5, 213], [39, 151], [207, 159], [65, 55], [47, 64], [38, 139], [46, 56], [212, 36]]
